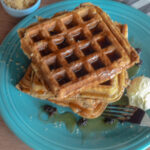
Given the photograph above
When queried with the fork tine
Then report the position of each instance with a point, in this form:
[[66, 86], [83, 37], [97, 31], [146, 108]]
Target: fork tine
[[120, 109], [118, 113], [116, 117], [123, 106]]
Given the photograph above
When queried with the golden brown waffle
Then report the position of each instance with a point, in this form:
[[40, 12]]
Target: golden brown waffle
[[33, 86], [87, 108], [110, 90], [107, 92], [77, 49]]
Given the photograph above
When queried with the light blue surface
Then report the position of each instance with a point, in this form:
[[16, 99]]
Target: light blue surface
[[20, 13], [20, 111]]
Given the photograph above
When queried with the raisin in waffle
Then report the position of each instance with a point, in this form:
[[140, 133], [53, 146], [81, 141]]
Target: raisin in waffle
[[77, 49]]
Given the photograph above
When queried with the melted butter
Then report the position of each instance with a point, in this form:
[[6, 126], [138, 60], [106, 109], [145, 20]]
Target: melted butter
[[96, 125], [67, 118]]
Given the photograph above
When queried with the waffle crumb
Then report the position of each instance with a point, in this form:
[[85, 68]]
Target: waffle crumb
[[20, 4]]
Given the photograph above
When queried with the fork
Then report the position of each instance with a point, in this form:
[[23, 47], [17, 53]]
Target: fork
[[126, 113]]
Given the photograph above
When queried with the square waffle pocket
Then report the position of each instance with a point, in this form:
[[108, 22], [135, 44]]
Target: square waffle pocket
[[77, 49]]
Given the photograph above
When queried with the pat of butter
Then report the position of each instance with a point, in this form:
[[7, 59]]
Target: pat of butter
[[139, 92]]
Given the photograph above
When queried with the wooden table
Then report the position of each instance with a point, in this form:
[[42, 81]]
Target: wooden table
[[8, 141]]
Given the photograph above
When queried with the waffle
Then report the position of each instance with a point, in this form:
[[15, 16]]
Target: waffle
[[106, 92], [77, 49], [110, 90], [33, 86], [87, 108]]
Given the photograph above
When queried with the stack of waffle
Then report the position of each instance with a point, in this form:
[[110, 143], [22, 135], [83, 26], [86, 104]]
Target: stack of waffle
[[78, 60]]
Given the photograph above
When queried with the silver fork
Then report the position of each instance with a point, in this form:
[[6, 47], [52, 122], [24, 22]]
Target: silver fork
[[125, 113]]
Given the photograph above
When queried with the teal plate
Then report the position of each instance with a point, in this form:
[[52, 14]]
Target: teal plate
[[20, 111]]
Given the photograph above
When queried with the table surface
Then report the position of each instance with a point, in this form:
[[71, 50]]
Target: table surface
[[7, 138]]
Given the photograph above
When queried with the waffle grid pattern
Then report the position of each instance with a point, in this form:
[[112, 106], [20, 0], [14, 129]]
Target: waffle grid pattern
[[77, 47]]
